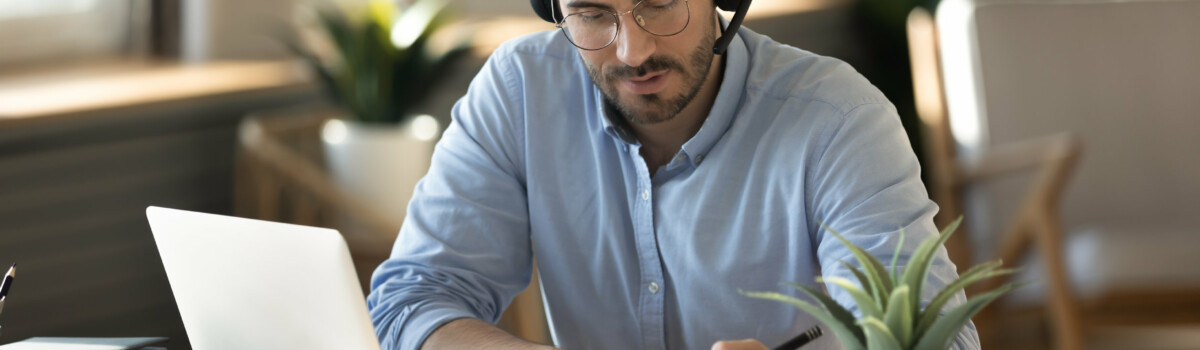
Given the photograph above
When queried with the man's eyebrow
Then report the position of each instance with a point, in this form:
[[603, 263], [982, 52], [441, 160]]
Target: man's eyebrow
[[587, 4]]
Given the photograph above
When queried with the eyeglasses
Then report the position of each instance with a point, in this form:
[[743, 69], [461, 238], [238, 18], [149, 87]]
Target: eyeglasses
[[596, 29]]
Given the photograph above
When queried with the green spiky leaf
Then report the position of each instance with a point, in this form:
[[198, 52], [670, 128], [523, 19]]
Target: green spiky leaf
[[836, 310], [896, 257], [917, 270], [942, 332], [975, 274], [863, 280], [881, 283], [878, 335], [869, 307], [842, 331], [899, 315]]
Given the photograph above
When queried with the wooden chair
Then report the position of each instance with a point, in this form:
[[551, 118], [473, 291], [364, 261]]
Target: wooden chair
[[1050, 149], [280, 176]]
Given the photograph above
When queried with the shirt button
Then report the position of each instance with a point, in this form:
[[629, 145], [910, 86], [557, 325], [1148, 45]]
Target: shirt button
[[699, 158], [653, 287], [646, 194]]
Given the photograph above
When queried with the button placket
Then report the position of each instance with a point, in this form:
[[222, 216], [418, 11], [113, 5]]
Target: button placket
[[651, 301]]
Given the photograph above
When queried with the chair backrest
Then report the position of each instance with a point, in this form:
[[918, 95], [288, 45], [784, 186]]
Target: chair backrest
[[1124, 76]]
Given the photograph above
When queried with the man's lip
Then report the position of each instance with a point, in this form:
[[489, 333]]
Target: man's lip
[[647, 76], [647, 84]]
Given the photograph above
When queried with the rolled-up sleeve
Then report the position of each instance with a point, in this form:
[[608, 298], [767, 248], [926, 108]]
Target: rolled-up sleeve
[[464, 248], [867, 185]]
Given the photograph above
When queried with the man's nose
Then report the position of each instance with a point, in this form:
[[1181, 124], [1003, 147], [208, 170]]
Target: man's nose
[[634, 45]]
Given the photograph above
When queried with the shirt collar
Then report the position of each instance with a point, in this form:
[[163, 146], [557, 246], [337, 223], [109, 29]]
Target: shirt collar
[[729, 98], [617, 129], [719, 118]]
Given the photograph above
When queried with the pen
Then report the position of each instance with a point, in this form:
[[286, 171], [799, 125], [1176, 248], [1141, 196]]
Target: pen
[[800, 340], [8, 281]]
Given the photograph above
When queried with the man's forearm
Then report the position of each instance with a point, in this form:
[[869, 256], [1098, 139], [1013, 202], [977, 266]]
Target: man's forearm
[[469, 333]]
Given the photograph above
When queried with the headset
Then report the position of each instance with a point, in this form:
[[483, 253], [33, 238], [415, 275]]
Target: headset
[[548, 10]]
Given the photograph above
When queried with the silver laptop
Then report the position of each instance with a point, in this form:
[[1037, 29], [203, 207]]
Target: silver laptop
[[250, 284]]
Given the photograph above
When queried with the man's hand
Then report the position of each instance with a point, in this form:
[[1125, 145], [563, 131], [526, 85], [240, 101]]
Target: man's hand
[[744, 344]]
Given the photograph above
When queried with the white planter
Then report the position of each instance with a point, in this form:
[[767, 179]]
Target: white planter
[[380, 163]]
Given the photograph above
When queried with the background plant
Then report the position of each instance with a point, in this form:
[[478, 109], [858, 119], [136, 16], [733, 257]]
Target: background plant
[[890, 300], [378, 62]]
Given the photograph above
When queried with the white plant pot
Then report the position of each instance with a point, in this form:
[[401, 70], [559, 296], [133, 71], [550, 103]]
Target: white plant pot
[[380, 163]]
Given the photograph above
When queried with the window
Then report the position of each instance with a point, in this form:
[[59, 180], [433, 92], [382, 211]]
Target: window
[[63, 30]]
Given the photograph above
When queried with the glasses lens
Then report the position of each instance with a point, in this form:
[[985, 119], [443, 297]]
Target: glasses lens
[[590, 30], [662, 17]]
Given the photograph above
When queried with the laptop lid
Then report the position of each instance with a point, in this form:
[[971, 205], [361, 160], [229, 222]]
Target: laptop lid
[[250, 284]]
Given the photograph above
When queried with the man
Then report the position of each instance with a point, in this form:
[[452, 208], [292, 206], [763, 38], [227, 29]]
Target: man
[[653, 179]]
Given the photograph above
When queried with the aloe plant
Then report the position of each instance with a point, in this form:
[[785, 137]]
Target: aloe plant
[[890, 301]]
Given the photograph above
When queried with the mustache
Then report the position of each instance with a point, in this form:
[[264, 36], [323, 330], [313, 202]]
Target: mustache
[[652, 64]]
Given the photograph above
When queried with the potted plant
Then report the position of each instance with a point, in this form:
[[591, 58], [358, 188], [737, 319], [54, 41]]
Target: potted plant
[[376, 63], [890, 301]]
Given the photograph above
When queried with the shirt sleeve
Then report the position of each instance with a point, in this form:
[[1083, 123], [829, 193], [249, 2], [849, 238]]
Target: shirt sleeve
[[464, 248], [867, 185]]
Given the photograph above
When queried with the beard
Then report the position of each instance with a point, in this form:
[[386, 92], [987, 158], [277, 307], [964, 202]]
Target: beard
[[654, 108]]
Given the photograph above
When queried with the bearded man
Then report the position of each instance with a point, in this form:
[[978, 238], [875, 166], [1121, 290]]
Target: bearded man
[[657, 158]]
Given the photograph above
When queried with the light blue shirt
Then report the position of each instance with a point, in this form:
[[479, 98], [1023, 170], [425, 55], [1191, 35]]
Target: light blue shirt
[[627, 260]]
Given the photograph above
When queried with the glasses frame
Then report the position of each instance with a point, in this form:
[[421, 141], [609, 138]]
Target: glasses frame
[[560, 25]]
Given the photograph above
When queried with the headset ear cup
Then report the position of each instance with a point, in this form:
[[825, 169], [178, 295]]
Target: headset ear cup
[[728, 5], [544, 9]]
